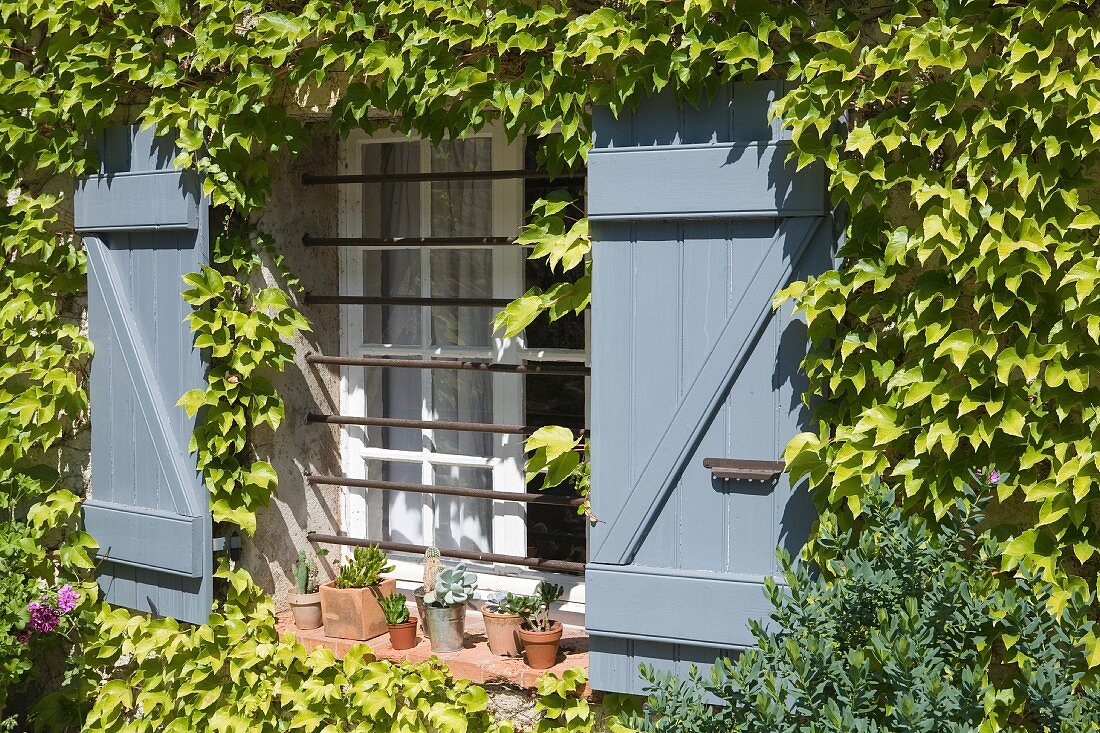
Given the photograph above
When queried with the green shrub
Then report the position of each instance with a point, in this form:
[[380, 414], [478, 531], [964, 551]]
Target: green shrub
[[45, 597], [911, 628]]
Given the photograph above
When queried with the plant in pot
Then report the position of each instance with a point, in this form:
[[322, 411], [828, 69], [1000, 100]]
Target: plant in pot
[[540, 634], [445, 607], [305, 602], [402, 625], [504, 614], [433, 563], [349, 604]]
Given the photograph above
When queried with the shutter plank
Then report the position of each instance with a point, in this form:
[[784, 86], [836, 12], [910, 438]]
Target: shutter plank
[[620, 538], [129, 202]]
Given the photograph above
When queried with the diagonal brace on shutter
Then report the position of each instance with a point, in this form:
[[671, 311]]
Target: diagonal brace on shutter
[[139, 367], [625, 531]]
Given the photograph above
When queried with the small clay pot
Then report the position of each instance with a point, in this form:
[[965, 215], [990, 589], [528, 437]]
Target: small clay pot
[[306, 608], [403, 635], [502, 631], [541, 647]]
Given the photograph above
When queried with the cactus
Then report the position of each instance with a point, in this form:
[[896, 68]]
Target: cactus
[[432, 565], [453, 587]]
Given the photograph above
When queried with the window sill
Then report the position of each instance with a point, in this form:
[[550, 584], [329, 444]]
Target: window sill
[[474, 662]]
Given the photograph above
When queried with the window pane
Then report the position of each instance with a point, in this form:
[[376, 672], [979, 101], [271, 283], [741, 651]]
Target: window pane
[[394, 393], [462, 523], [462, 209], [465, 273], [391, 210], [392, 272], [401, 510], [459, 396]]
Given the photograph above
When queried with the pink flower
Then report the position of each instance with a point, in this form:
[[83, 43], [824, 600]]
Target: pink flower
[[994, 477], [44, 617], [23, 636], [67, 598]]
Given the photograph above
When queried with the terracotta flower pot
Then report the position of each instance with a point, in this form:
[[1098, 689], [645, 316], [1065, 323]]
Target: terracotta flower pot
[[502, 631], [541, 647], [306, 608], [403, 636], [354, 613]]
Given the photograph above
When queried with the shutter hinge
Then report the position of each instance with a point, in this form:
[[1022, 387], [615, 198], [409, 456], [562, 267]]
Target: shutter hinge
[[232, 543]]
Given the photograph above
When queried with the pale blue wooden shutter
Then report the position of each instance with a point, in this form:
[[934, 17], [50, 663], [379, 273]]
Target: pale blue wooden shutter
[[144, 224], [697, 220]]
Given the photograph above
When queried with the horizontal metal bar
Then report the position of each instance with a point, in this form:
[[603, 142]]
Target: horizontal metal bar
[[309, 179], [744, 468], [560, 566], [471, 493], [542, 368], [392, 422], [309, 241], [312, 299]]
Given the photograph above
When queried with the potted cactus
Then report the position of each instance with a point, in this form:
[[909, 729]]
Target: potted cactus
[[445, 607], [305, 602], [541, 636], [349, 604], [433, 563], [503, 617], [402, 626]]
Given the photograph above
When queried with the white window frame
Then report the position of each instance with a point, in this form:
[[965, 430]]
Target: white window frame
[[361, 509]]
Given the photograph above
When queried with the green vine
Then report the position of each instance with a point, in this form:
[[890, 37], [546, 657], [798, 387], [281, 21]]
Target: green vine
[[961, 332]]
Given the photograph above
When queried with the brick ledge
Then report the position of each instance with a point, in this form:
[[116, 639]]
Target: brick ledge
[[474, 662]]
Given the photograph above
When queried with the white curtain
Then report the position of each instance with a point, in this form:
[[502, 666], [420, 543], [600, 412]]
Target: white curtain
[[461, 208]]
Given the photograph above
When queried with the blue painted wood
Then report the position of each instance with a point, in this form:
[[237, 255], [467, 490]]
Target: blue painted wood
[[148, 506], [707, 181], [159, 200], [690, 361]]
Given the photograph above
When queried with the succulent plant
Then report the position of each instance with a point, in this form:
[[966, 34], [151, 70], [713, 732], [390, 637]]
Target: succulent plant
[[432, 565], [395, 609], [364, 568], [511, 603], [537, 614], [453, 587]]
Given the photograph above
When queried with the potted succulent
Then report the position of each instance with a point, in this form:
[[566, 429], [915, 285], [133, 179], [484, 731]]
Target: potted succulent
[[445, 607], [504, 615], [305, 602], [541, 636], [402, 625], [433, 563], [349, 604]]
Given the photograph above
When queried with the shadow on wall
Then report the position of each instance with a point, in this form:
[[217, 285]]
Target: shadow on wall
[[298, 447]]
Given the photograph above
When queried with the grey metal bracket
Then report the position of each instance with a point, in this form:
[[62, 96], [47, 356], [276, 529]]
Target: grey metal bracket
[[745, 469]]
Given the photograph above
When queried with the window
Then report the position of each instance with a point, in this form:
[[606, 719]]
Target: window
[[442, 330]]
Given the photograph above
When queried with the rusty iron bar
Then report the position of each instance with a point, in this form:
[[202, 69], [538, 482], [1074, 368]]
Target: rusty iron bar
[[471, 493], [309, 179], [393, 422], [312, 299], [560, 566], [310, 241], [542, 368]]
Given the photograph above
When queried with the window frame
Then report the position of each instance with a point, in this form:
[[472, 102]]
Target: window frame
[[361, 509]]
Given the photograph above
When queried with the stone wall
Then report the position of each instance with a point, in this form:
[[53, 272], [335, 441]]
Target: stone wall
[[298, 447]]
